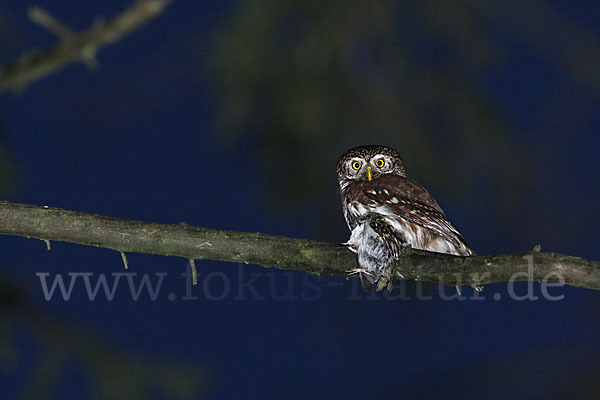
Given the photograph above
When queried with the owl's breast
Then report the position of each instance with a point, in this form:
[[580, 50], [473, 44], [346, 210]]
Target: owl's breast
[[355, 211]]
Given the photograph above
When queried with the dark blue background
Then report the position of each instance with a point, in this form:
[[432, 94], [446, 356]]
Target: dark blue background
[[137, 140]]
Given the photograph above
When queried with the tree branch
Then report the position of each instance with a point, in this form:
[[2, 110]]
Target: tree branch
[[281, 252], [75, 46]]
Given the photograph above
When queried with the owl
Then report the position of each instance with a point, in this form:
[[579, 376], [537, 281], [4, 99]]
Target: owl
[[387, 212]]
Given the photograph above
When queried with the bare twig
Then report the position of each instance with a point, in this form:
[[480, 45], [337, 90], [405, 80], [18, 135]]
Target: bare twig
[[75, 46], [42, 18], [281, 252]]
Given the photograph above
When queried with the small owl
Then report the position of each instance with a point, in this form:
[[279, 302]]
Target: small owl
[[387, 212]]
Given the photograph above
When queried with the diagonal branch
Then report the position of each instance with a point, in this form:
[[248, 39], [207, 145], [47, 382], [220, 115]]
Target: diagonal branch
[[75, 46], [282, 252]]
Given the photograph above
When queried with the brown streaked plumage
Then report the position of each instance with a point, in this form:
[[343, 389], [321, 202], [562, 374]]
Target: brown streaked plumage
[[386, 212]]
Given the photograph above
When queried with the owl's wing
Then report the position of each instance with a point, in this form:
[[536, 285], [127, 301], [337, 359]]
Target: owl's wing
[[399, 196]]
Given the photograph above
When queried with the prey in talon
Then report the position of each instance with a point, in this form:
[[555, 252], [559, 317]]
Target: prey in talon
[[387, 212]]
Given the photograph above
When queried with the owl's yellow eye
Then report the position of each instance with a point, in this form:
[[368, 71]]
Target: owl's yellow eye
[[380, 163], [356, 165]]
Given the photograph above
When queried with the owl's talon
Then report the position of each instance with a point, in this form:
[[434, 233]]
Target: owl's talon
[[477, 288], [387, 280], [366, 278], [355, 271], [390, 286], [382, 283]]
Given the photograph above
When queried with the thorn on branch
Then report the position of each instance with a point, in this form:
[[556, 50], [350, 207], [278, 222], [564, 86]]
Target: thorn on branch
[[193, 269], [458, 291], [124, 258], [47, 244]]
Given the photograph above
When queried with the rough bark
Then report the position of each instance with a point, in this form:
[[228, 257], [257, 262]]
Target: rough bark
[[54, 224]]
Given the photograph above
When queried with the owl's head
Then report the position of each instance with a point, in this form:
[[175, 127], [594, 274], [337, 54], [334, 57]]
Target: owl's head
[[367, 163]]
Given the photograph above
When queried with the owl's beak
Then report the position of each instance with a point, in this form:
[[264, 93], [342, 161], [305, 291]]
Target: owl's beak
[[369, 174]]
